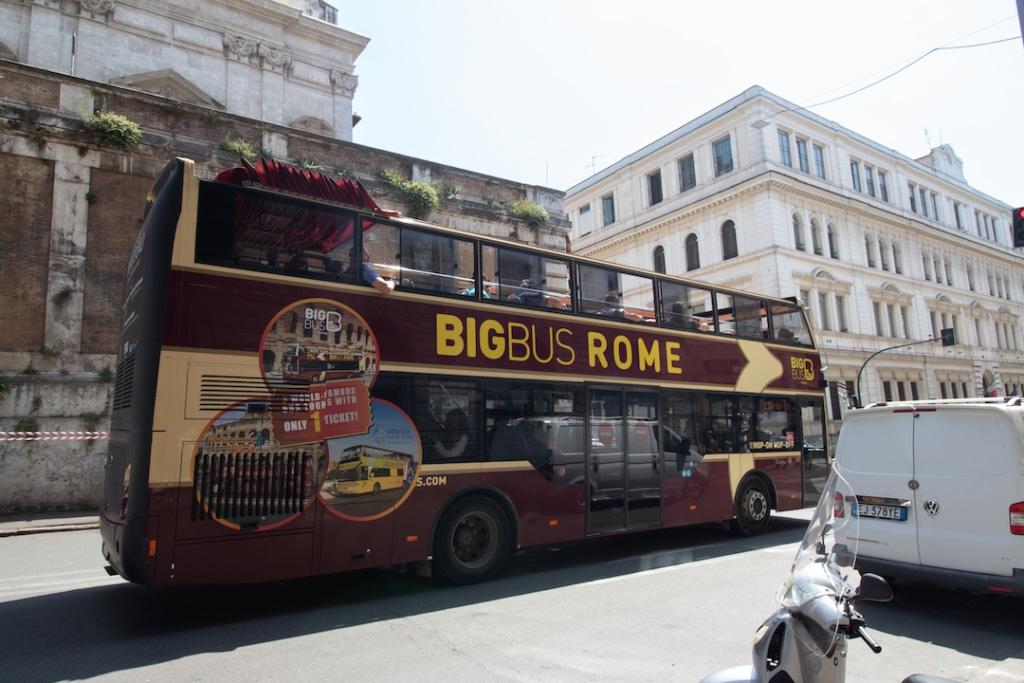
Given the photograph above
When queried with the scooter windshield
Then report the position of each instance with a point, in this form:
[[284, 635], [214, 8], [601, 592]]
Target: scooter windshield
[[822, 570]]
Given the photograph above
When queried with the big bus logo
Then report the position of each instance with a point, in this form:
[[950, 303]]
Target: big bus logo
[[802, 369], [320, 320]]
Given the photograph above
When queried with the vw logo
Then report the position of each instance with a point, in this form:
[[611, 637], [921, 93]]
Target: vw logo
[[931, 507]]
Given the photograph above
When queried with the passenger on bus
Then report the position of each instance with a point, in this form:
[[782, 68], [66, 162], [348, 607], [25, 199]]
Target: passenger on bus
[[371, 277]]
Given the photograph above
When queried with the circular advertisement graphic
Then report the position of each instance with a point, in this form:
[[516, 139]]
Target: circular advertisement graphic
[[242, 476], [315, 341], [368, 475]]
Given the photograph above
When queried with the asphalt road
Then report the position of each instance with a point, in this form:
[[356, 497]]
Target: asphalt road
[[663, 606]]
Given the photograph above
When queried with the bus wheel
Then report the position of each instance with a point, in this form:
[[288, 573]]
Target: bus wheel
[[753, 508], [472, 541]]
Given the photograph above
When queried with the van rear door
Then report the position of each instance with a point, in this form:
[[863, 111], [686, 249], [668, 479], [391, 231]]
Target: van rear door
[[875, 452], [962, 463]]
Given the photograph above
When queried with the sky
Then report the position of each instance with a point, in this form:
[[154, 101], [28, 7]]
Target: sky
[[547, 92]]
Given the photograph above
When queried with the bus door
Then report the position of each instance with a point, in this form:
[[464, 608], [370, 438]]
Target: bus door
[[623, 460], [813, 453]]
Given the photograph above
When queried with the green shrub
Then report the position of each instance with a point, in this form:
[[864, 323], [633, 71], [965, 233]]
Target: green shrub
[[5, 385], [532, 213], [420, 197], [113, 130], [241, 147], [28, 424]]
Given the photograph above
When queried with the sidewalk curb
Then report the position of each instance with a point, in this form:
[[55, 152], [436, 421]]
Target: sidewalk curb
[[26, 530]]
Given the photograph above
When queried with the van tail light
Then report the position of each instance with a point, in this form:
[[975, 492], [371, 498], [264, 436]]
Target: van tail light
[[1017, 518], [839, 507]]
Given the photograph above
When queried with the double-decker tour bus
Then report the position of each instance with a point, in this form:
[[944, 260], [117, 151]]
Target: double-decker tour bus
[[502, 396]]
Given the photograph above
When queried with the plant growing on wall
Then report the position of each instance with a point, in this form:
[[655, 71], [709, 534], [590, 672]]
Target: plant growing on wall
[[420, 198], [113, 130], [241, 147], [533, 214], [5, 385]]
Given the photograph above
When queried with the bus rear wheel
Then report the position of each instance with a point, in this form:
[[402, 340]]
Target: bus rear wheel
[[472, 542], [753, 508]]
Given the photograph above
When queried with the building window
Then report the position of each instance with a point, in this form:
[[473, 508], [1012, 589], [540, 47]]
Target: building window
[[956, 216], [883, 186], [869, 180], [833, 242], [826, 319], [926, 266], [887, 390], [970, 277], [692, 253], [785, 156], [819, 161], [876, 308], [913, 391], [890, 316], [922, 193], [869, 251], [905, 317], [901, 390], [816, 238], [801, 155], [935, 207], [722, 150], [729, 249], [911, 189], [855, 175], [687, 174], [798, 233], [654, 187], [608, 209], [585, 209], [897, 258], [841, 313], [659, 259], [883, 254]]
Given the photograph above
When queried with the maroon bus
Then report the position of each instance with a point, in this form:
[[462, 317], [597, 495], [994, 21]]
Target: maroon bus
[[501, 396]]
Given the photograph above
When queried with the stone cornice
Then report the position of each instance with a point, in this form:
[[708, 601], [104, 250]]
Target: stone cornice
[[852, 208]]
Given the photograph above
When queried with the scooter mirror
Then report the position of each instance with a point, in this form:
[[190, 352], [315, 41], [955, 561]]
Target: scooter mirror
[[873, 588]]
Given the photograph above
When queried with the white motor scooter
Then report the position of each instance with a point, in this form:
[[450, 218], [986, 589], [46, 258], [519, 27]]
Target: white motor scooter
[[805, 640]]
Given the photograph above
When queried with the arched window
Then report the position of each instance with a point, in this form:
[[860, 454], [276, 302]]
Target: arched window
[[798, 233], [833, 242], [659, 259], [816, 237], [729, 249], [692, 253]]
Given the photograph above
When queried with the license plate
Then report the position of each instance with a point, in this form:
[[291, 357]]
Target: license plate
[[893, 512]]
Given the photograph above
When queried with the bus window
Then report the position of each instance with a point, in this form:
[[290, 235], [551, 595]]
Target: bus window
[[447, 415], [380, 249], [614, 294], [525, 278], [742, 316], [683, 448], [771, 424], [436, 263], [541, 423], [686, 307], [239, 228], [789, 324], [721, 424]]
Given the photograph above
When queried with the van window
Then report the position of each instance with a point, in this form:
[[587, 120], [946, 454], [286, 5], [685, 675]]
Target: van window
[[878, 443]]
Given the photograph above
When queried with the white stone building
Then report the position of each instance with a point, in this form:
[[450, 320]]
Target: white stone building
[[881, 249], [286, 63]]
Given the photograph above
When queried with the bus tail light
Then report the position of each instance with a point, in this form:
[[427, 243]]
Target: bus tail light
[[838, 506], [1017, 518], [151, 548]]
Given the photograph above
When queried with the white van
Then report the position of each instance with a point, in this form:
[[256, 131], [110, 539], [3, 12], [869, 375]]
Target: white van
[[940, 491]]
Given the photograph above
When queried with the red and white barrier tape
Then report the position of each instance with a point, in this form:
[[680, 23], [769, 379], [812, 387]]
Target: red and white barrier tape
[[53, 436]]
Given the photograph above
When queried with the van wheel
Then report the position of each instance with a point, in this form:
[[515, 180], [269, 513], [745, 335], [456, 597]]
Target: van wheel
[[472, 542], [753, 509]]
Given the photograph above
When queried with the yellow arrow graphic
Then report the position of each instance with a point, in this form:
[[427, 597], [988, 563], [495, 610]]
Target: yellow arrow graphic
[[762, 367]]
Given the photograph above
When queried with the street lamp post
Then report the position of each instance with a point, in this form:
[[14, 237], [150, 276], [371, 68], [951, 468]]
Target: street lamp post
[[946, 337]]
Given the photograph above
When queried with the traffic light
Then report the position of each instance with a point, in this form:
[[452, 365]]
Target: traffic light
[[1018, 227], [948, 336]]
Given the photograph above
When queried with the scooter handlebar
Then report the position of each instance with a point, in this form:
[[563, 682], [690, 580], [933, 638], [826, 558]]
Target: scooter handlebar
[[868, 640]]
